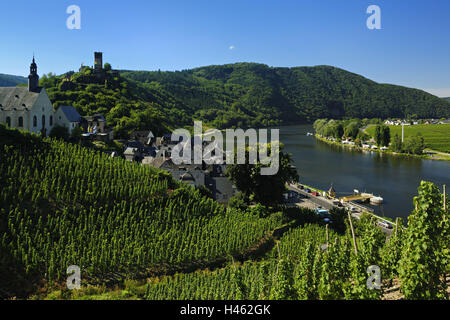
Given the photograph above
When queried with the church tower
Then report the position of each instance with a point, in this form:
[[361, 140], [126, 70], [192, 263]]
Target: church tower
[[33, 78]]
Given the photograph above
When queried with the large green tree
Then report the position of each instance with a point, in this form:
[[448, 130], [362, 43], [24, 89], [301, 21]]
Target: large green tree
[[265, 189]]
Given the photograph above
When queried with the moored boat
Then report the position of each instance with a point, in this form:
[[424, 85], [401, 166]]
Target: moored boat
[[376, 200]]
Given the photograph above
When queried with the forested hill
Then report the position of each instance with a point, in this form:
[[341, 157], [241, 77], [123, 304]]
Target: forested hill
[[236, 95], [256, 94], [7, 80], [447, 99]]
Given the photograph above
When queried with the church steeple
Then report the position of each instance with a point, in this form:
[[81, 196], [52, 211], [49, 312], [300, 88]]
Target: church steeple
[[33, 78]]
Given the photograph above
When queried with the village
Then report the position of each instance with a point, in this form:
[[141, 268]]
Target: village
[[30, 109]]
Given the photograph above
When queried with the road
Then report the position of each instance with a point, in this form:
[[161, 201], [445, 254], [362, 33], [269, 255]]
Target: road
[[324, 203]]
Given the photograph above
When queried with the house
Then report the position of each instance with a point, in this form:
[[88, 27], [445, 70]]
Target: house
[[132, 154], [145, 137], [222, 188], [27, 108], [194, 178], [67, 116], [211, 176], [94, 124], [96, 128]]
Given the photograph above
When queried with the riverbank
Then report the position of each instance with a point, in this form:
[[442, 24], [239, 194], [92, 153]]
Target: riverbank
[[430, 154], [313, 202]]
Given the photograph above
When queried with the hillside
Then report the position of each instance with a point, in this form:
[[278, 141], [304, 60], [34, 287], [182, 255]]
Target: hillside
[[255, 94], [7, 80], [127, 105], [62, 205], [448, 99], [235, 95]]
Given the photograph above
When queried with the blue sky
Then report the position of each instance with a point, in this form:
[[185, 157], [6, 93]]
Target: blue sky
[[411, 49]]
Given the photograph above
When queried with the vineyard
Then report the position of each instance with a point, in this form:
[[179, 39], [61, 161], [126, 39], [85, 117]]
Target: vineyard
[[298, 268], [62, 205]]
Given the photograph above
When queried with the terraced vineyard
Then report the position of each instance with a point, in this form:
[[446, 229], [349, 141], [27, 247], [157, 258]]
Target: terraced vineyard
[[133, 226], [62, 205]]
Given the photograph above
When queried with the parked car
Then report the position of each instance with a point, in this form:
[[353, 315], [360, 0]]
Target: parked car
[[308, 190], [384, 224], [323, 213]]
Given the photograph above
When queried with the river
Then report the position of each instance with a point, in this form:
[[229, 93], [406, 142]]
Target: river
[[395, 178]]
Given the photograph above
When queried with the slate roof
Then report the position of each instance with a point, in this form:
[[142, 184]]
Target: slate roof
[[18, 98], [71, 113]]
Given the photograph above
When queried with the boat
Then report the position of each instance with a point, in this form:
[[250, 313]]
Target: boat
[[309, 134], [376, 200]]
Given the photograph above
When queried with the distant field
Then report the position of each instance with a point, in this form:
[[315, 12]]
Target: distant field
[[437, 137]]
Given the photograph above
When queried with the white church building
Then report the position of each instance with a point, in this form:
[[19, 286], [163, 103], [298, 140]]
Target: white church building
[[30, 108]]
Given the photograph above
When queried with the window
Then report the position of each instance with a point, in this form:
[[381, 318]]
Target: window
[[20, 122], [43, 121], [51, 120], [35, 121], [8, 121]]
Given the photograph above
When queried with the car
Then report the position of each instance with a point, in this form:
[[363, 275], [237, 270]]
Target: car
[[308, 190], [384, 224], [323, 213], [327, 220], [302, 187]]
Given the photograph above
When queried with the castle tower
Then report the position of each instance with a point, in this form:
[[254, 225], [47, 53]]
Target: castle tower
[[98, 61], [33, 78]]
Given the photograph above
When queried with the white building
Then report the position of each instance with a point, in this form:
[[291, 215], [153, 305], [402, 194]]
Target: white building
[[67, 116], [27, 108]]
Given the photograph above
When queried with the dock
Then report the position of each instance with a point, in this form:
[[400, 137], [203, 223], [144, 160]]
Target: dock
[[357, 197], [312, 202]]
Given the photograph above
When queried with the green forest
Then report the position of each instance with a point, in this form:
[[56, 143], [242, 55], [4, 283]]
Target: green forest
[[7, 80], [235, 95], [137, 234]]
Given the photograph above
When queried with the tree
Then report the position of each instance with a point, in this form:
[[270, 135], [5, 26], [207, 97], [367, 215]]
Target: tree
[[338, 216], [59, 132], [386, 136], [76, 134], [107, 67], [397, 144], [378, 135], [338, 131], [414, 144], [352, 130], [269, 189], [238, 202], [382, 135], [424, 260]]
